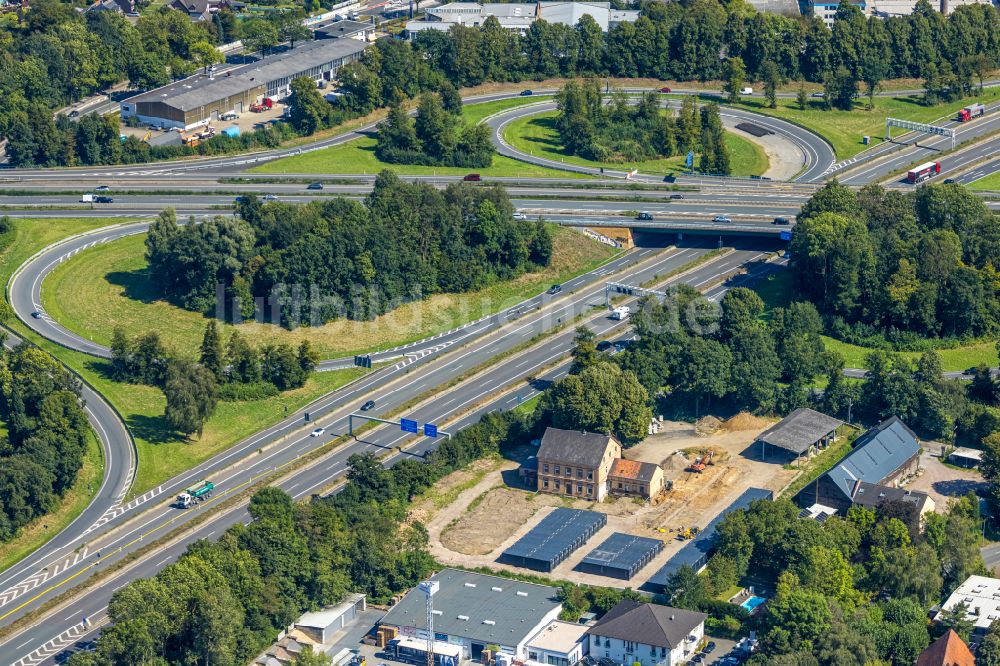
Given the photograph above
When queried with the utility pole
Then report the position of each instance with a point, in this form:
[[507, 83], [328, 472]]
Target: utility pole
[[430, 588]]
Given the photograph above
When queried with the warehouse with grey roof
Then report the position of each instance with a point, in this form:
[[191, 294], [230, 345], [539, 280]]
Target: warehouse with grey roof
[[201, 99]]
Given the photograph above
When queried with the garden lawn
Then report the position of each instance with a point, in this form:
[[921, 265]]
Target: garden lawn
[[844, 129], [775, 291], [537, 135], [109, 285], [990, 183]]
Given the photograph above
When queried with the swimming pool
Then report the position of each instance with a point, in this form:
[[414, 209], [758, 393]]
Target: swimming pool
[[752, 602]]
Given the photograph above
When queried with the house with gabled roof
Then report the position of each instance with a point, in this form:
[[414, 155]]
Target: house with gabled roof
[[948, 650], [576, 463], [883, 456], [632, 478], [646, 634]]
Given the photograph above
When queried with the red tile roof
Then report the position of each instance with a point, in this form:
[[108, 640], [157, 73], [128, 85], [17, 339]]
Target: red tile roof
[[949, 650]]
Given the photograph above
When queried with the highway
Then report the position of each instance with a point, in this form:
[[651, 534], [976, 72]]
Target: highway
[[67, 622]]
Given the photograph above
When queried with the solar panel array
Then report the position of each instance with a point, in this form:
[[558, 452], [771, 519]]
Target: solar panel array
[[620, 556], [554, 539]]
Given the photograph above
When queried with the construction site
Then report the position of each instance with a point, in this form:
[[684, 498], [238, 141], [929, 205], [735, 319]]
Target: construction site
[[707, 467]]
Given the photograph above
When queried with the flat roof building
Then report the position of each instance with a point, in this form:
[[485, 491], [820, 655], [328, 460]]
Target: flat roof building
[[981, 596], [201, 99], [558, 644], [473, 610], [518, 16], [343, 29]]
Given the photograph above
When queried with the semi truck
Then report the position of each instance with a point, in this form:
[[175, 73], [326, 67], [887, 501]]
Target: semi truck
[[970, 112], [196, 493], [923, 172], [266, 104]]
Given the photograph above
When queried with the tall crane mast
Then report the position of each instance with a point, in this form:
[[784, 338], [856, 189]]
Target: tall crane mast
[[430, 588]]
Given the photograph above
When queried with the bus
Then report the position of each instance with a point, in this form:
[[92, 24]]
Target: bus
[[414, 651], [923, 172]]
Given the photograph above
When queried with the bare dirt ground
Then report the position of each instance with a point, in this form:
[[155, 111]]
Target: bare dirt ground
[[784, 157], [501, 514], [942, 483]]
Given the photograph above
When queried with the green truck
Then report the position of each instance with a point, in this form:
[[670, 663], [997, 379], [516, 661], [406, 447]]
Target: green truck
[[196, 493]]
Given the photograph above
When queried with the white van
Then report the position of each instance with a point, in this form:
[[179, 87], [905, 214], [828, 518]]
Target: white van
[[621, 313], [746, 90]]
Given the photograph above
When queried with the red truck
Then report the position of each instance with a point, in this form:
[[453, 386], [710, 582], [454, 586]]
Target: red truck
[[970, 112], [266, 104]]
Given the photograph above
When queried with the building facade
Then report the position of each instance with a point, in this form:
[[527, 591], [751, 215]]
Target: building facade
[[630, 478], [576, 463]]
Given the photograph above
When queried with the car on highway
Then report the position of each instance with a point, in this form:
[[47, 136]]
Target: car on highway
[[520, 216], [555, 289], [604, 345], [527, 93], [665, 89], [368, 405], [103, 199], [472, 178], [36, 314], [239, 199], [317, 432], [270, 197], [676, 196], [315, 186], [74, 113], [722, 219], [746, 90], [102, 188], [949, 181], [818, 94], [644, 216], [781, 220]]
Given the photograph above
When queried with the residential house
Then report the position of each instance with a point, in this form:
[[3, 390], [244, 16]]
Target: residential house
[[948, 650], [884, 456], [202, 10], [631, 478], [126, 7], [576, 463], [646, 634], [558, 644], [518, 16]]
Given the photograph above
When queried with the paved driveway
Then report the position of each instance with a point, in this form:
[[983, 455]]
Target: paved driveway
[[942, 482]]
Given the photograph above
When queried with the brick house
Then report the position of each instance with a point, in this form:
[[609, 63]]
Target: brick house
[[575, 463], [635, 479]]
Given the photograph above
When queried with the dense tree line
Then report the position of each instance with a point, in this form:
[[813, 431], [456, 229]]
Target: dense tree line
[[884, 265], [849, 591], [625, 131], [435, 137], [221, 602], [340, 258], [46, 436]]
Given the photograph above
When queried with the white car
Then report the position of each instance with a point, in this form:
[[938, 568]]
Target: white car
[[270, 197], [317, 432], [746, 90], [520, 216]]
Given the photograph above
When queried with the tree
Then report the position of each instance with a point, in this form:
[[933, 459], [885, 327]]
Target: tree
[[584, 350], [309, 112], [309, 658], [772, 79], [686, 589], [191, 395], [435, 128], [260, 35], [736, 75], [801, 96], [212, 356], [601, 398], [290, 27]]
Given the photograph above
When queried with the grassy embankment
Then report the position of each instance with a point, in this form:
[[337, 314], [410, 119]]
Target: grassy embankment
[[358, 156], [537, 135], [776, 292], [844, 129], [990, 183]]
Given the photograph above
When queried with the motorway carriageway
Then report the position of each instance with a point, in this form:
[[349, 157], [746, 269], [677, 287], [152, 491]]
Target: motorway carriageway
[[636, 267], [22, 649]]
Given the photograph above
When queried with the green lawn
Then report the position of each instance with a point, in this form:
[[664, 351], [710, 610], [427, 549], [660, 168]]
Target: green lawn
[[844, 129], [358, 156], [108, 285], [990, 183], [775, 291], [537, 135]]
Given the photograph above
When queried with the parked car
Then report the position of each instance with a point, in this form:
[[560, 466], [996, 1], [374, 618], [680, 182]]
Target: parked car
[[527, 93], [368, 405], [36, 314], [781, 220], [315, 186], [709, 647], [722, 219], [317, 432], [103, 199], [555, 289], [472, 178], [102, 188], [229, 116], [644, 216], [665, 89]]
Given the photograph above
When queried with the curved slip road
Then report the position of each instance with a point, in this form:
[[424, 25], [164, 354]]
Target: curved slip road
[[816, 153]]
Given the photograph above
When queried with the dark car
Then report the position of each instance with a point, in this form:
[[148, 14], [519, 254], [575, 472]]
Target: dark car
[[74, 114], [555, 289], [604, 345], [103, 199], [239, 199], [949, 181], [781, 220], [36, 314], [473, 178], [676, 196], [709, 647], [644, 216], [665, 89], [368, 405], [527, 93], [315, 186]]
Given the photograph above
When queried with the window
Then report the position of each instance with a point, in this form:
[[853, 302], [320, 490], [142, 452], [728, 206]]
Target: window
[[663, 652], [557, 469], [579, 473], [545, 468], [590, 490], [532, 655], [652, 651], [545, 483], [569, 471], [557, 484], [590, 475], [619, 485], [579, 489], [607, 642]]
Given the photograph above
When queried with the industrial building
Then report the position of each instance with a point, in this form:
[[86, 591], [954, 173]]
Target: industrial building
[[621, 556], [981, 597], [518, 16], [472, 611], [201, 99], [555, 538]]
